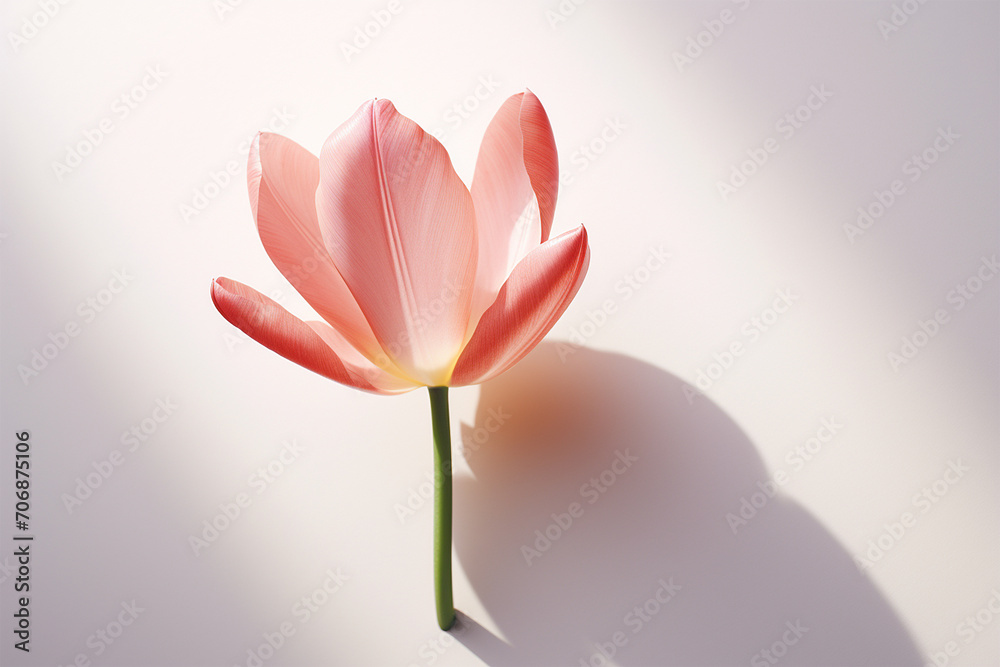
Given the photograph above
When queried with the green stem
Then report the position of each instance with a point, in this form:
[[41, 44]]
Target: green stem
[[442, 506]]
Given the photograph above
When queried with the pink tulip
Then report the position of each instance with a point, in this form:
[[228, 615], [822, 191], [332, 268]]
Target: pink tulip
[[419, 280]]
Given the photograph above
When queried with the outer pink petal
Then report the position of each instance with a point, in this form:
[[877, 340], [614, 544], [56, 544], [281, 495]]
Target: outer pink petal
[[538, 291], [282, 179], [358, 364], [274, 327], [400, 226], [514, 189]]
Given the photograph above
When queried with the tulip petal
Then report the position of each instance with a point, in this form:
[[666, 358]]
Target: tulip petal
[[400, 226], [324, 351], [539, 289], [282, 178], [514, 188], [358, 364]]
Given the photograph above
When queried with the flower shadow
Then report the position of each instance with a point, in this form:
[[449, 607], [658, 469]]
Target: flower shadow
[[644, 569]]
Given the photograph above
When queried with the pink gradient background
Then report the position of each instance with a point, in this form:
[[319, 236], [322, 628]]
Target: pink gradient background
[[669, 137]]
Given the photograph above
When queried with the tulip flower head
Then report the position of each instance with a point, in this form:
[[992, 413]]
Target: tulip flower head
[[419, 280]]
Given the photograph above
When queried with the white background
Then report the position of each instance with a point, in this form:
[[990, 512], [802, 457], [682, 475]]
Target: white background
[[644, 141]]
